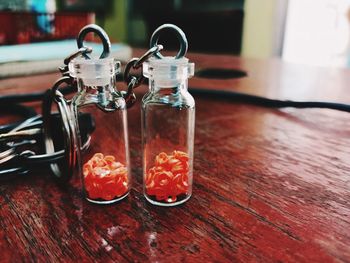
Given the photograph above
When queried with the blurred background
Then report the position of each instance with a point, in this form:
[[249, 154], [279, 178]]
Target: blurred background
[[314, 32]]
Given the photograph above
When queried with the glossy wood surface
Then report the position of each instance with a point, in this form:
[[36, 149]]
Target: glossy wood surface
[[269, 185]]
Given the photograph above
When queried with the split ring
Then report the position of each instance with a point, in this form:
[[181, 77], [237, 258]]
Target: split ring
[[179, 34], [102, 35]]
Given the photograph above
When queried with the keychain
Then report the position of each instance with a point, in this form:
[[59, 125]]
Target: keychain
[[168, 118], [104, 166]]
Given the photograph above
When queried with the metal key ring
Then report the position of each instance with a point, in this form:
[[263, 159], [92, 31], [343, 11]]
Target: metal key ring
[[102, 35], [63, 173], [180, 35]]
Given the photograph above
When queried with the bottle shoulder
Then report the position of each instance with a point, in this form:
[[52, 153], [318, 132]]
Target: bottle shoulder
[[109, 101], [182, 99]]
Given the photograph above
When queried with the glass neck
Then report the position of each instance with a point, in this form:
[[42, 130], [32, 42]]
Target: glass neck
[[98, 92], [93, 85], [167, 88]]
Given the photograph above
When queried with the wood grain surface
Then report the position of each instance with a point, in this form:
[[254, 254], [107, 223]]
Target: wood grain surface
[[269, 185]]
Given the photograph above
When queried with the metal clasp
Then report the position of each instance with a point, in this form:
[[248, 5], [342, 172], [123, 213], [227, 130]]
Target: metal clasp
[[135, 63], [135, 81], [179, 34], [83, 50]]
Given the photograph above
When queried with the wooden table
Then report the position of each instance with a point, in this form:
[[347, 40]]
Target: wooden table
[[269, 185]]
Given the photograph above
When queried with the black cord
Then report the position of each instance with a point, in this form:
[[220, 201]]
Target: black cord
[[10, 104], [24, 111], [266, 102], [18, 109]]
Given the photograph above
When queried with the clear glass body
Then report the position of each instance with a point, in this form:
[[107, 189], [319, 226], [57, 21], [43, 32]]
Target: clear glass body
[[168, 118], [104, 165]]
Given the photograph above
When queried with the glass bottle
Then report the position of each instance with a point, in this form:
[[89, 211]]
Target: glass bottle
[[104, 166], [168, 118]]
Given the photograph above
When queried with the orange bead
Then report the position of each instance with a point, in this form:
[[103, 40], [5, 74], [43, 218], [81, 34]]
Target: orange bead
[[161, 159], [168, 178], [104, 178]]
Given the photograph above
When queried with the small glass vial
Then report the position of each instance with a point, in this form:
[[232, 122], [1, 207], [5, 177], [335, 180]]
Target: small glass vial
[[104, 165], [168, 118]]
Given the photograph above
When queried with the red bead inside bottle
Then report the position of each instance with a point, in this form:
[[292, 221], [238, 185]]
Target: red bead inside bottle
[[168, 179], [105, 178]]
